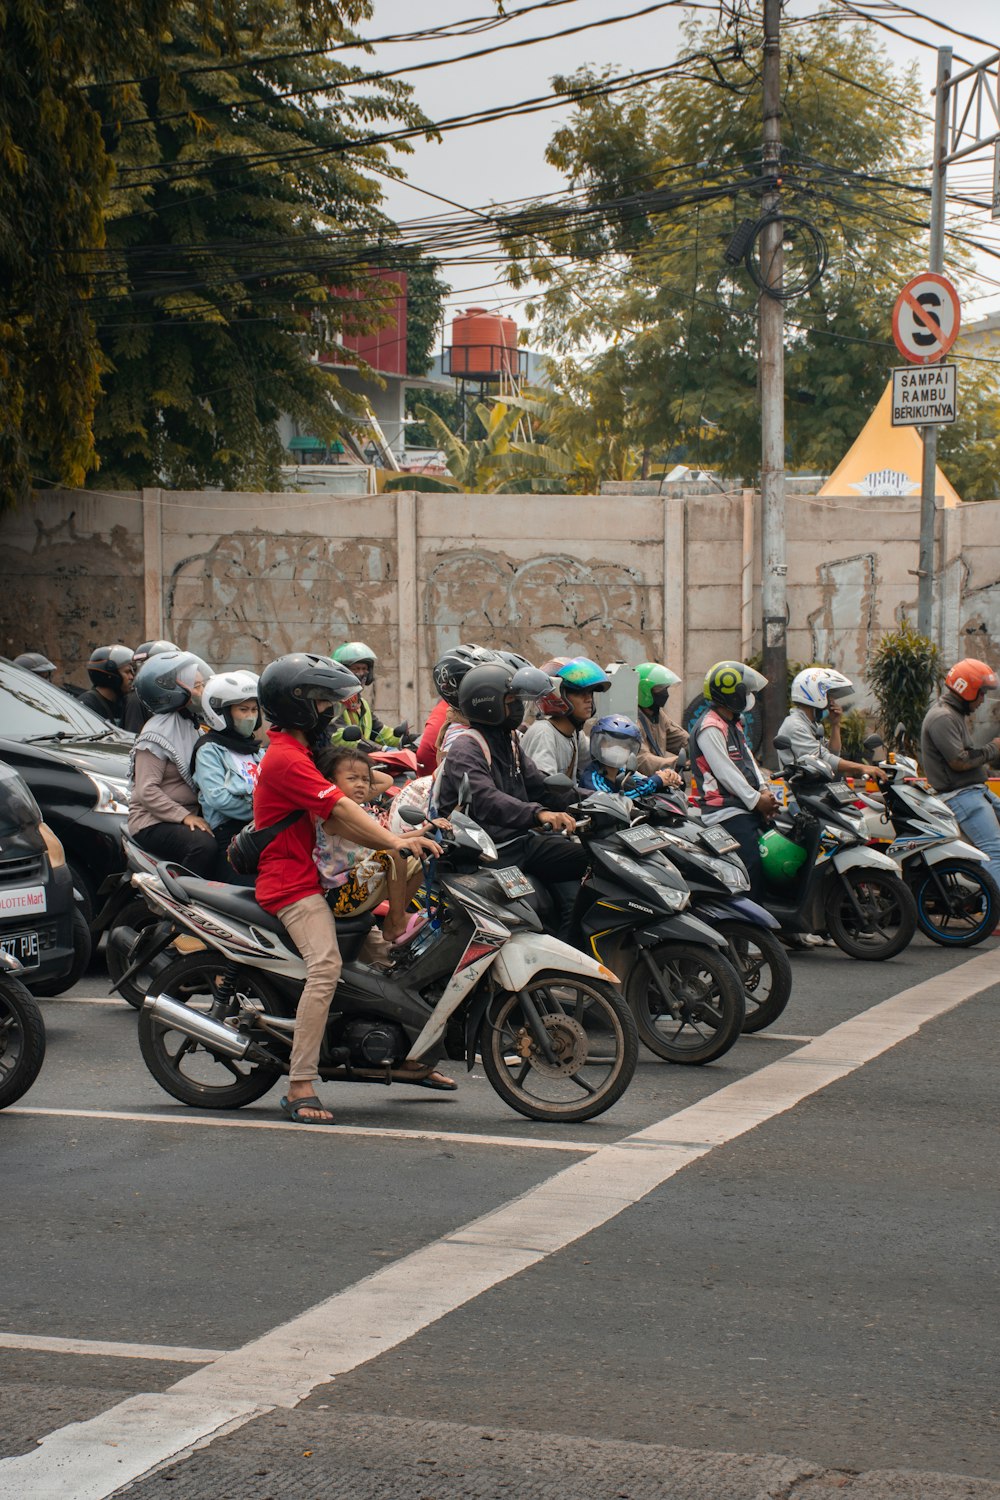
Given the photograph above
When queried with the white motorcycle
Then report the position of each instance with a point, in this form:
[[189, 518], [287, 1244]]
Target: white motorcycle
[[556, 1038]]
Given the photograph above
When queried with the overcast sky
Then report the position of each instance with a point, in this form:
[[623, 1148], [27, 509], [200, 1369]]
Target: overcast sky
[[505, 160]]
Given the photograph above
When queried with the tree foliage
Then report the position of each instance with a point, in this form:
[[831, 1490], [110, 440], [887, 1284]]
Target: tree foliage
[[652, 284], [904, 673]]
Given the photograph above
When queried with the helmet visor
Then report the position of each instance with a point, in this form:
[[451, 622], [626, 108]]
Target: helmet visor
[[529, 682], [754, 681], [614, 750]]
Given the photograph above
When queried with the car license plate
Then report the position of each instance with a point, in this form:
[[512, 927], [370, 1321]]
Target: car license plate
[[513, 882], [23, 946], [719, 840]]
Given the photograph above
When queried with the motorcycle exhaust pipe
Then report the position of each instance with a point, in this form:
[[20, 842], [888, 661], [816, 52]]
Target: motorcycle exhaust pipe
[[199, 1027]]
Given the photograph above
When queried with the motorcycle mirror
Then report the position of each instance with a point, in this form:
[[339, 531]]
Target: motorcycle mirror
[[351, 734], [899, 732], [413, 816], [680, 764], [873, 742], [402, 731], [464, 792], [782, 742], [557, 782]]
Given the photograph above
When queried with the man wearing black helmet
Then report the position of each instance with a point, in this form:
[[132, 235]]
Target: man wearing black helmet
[[34, 661], [134, 715], [508, 794], [111, 672], [299, 695]]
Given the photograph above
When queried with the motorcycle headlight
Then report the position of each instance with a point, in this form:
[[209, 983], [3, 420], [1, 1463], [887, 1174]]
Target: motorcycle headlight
[[112, 796], [483, 842], [672, 897], [736, 878]]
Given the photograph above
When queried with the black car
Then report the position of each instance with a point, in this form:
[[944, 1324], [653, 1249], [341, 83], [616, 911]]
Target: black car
[[40, 924], [76, 766]]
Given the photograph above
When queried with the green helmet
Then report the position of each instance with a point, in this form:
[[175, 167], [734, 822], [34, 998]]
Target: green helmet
[[356, 651], [651, 675], [780, 857], [733, 685]]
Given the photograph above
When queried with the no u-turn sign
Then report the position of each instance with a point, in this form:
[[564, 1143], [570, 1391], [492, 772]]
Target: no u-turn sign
[[926, 318]]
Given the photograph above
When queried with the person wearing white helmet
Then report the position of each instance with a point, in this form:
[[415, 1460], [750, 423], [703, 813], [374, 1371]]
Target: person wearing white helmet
[[225, 761], [818, 693]]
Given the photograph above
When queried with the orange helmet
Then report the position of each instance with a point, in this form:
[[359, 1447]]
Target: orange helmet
[[970, 677]]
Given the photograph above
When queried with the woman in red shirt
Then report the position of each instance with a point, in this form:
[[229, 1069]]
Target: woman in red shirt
[[298, 694]]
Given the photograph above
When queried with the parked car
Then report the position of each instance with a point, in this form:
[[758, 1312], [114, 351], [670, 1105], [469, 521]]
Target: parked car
[[41, 924], [76, 766]]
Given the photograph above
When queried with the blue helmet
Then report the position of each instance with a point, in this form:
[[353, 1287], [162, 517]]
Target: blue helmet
[[615, 741]]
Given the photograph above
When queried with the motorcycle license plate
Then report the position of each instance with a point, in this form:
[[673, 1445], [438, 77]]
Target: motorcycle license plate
[[513, 882], [23, 946], [719, 840], [842, 793], [642, 839]]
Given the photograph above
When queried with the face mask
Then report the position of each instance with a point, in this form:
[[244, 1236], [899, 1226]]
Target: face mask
[[751, 700], [660, 699], [515, 717], [245, 727]]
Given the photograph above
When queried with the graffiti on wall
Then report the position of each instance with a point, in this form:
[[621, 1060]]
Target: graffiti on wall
[[843, 626], [542, 608], [254, 596], [69, 592]]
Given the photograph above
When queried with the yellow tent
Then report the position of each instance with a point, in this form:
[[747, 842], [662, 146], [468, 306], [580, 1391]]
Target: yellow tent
[[885, 460]]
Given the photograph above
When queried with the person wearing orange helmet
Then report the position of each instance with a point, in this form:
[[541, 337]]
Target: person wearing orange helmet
[[954, 766]]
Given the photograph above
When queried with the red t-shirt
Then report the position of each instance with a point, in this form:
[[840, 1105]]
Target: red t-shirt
[[289, 779], [426, 753]]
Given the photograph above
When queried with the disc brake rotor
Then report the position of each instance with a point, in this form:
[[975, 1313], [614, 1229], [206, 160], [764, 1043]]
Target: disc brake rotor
[[568, 1041]]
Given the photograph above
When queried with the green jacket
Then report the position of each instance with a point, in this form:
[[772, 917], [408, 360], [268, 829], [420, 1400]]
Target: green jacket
[[364, 717]]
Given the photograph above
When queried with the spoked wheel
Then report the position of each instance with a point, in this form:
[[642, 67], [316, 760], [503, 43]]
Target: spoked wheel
[[562, 1048], [687, 1002], [188, 1069], [764, 968], [958, 904], [884, 920], [22, 1040]]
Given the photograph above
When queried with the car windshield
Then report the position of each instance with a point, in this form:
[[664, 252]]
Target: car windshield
[[33, 709]]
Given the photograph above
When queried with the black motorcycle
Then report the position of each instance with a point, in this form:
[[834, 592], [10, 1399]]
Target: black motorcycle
[[22, 1034]]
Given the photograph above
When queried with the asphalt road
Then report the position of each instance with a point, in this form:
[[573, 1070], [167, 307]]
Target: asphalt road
[[773, 1276]]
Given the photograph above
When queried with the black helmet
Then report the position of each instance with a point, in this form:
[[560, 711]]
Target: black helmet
[[105, 664], [514, 660], [483, 689], [449, 669], [152, 648], [290, 686], [34, 661], [168, 681]]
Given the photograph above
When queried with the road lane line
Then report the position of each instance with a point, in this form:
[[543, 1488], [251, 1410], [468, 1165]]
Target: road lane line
[[106, 1349], [116, 1000], [379, 1132], [89, 1460]]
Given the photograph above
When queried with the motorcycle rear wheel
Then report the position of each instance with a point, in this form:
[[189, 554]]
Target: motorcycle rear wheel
[[22, 1040], [707, 993], [764, 968], [592, 1036], [132, 918], [189, 1070], [888, 906], [965, 884]]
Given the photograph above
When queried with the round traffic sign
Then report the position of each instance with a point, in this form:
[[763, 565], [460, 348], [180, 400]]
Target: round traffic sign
[[926, 318]]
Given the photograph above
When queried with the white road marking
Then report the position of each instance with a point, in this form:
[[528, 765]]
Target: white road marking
[[775, 1036], [88, 1000], [89, 1460], [106, 1349], [209, 1122]]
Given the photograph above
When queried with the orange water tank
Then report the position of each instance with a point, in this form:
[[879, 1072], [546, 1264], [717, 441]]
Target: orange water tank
[[483, 344]]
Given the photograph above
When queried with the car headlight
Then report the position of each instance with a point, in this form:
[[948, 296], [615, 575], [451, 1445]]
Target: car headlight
[[53, 846], [112, 796]]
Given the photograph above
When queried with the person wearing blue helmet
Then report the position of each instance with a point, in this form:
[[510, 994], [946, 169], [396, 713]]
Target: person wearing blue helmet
[[615, 747], [556, 742]]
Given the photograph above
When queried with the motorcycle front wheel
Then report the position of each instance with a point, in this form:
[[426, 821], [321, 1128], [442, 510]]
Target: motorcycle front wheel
[[958, 903], [689, 1006], [888, 914], [188, 1070], [562, 1048], [22, 1040], [764, 968]]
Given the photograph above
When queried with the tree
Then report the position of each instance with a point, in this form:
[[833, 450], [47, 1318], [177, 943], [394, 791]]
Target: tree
[[648, 278], [967, 448], [497, 462]]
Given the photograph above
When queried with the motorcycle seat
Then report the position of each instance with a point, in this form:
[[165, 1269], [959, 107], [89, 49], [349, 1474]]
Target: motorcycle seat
[[238, 901]]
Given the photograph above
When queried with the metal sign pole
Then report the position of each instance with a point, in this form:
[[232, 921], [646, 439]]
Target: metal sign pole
[[927, 576], [772, 395]]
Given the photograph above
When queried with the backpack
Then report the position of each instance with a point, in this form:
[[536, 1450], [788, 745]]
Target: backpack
[[246, 847], [422, 794]]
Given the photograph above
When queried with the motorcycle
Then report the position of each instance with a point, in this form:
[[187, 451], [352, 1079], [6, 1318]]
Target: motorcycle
[[126, 916], [22, 1033], [958, 903], [632, 913], [556, 1038], [839, 885]]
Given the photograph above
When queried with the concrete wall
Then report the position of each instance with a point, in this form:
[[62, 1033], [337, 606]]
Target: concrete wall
[[242, 578]]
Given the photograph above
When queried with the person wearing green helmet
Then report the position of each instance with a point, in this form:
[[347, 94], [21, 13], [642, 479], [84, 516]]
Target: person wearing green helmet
[[732, 789], [662, 737], [357, 711]]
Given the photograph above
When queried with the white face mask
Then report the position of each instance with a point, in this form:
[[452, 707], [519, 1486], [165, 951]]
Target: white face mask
[[751, 700]]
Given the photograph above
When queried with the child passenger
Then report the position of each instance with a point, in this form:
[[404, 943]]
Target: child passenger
[[359, 878]]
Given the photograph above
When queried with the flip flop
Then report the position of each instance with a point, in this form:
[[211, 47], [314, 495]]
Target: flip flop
[[292, 1109], [412, 927], [439, 1084]]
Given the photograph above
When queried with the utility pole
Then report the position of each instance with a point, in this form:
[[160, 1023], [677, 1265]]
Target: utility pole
[[927, 575], [772, 391]]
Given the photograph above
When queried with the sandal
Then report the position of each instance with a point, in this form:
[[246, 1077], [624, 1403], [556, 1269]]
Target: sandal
[[293, 1109], [432, 1080]]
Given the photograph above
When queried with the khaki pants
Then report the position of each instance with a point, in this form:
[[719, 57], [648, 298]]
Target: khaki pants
[[311, 926]]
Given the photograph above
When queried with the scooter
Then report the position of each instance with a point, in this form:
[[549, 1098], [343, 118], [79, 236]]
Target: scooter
[[958, 903], [22, 1033], [556, 1038], [821, 875]]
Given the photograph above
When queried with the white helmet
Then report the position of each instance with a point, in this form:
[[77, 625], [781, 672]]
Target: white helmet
[[222, 691], [814, 687]]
